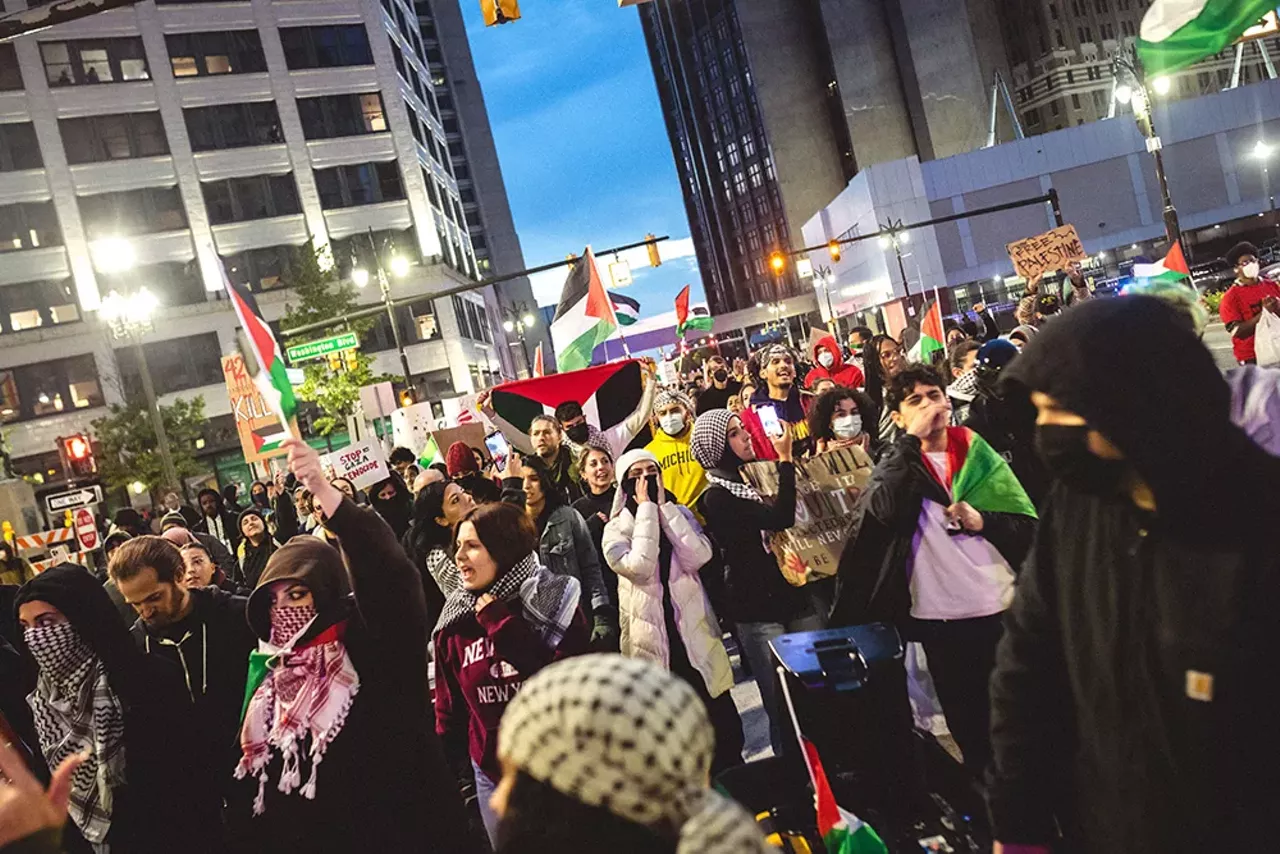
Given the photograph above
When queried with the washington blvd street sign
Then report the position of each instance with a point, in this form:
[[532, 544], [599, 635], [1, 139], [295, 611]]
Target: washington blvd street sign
[[323, 347]]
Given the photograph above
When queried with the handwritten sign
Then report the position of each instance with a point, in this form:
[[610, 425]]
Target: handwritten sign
[[827, 490], [1046, 253], [361, 463], [253, 415]]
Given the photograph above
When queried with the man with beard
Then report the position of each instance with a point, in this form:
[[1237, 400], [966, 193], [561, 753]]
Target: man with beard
[[1139, 648], [775, 367], [720, 386]]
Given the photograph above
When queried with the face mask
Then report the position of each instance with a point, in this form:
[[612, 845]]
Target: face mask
[[1250, 270], [672, 424], [651, 486], [287, 622], [720, 376], [846, 426], [1065, 451], [826, 359], [578, 432], [58, 650]]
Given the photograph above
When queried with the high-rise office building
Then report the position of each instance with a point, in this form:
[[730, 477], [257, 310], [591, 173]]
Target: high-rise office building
[[199, 136]]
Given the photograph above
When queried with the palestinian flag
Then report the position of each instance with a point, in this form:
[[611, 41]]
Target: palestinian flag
[[1172, 268], [538, 369], [699, 320], [584, 318], [265, 360], [626, 309], [981, 477], [1178, 33], [842, 831], [430, 453], [930, 335], [608, 394]]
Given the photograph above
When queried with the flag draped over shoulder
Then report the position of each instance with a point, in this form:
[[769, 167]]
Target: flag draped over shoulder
[[268, 366], [981, 477], [1178, 33], [584, 317], [608, 394], [685, 320]]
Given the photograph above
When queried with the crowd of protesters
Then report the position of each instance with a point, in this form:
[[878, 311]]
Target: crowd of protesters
[[541, 657]]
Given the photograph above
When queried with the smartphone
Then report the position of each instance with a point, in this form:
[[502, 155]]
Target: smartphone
[[769, 419], [498, 449]]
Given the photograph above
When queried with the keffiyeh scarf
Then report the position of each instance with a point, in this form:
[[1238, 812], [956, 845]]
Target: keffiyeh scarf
[[549, 601], [305, 693], [709, 445], [76, 711]]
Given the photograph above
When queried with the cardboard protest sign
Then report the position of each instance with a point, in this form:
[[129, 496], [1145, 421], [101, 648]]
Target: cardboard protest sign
[[1046, 253], [827, 490], [361, 463], [255, 419]]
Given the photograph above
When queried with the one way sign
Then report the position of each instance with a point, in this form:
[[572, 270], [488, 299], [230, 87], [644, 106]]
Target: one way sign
[[74, 498]]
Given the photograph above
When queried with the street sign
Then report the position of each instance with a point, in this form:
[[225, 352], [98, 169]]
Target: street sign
[[86, 529], [323, 347], [74, 498]]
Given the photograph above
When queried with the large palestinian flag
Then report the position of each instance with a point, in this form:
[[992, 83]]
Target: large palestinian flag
[[608, 394], [1178, 33], [584, 317], [265, 361]]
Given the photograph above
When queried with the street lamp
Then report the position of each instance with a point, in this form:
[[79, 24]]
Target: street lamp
[[1131, 88], [1262, 153], [399, 268], [824, 279], [893, 234], [129, 317], [518, 320]]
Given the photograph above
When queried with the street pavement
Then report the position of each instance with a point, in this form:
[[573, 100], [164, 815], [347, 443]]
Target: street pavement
[[1219, 344]]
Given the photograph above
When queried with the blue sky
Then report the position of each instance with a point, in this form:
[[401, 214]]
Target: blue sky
[[582, 141]]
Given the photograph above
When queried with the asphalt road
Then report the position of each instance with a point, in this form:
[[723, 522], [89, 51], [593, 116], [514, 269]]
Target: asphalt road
[[1219, 344]]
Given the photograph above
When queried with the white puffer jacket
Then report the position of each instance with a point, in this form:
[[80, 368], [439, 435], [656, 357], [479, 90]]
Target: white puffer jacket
[[631, 549]]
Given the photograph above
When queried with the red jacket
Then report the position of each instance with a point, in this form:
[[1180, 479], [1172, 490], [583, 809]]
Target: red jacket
[[849, 376]]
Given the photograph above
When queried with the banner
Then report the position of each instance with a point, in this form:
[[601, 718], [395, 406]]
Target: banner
[[827, 491], [252, 413], [360, 463], [1046, 253]]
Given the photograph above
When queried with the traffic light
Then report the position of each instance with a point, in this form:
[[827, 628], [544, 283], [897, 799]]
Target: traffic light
[[778, 262], [834, 248], [77, 456], [351, 359], [499, 11], [335, 361], [655, 260], [406, 397]]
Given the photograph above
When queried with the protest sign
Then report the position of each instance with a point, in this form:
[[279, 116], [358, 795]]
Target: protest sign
[[360, 463], [827, 491], [256, 421], [1046, 253]]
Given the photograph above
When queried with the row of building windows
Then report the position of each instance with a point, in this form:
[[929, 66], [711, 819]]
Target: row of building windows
[[473, 320]]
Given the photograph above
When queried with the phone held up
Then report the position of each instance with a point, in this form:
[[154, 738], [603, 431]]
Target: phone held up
[[770, 421]]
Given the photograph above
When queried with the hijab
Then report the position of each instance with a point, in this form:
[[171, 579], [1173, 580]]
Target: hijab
[[710, 447], [397, 510]]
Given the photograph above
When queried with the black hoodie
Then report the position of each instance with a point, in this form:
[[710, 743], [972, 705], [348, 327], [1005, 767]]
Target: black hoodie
[[1138, 651], [170, 793], [230, 533]]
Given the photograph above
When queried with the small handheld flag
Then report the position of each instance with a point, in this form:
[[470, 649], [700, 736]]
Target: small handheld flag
[[267, 367], [684, 321]]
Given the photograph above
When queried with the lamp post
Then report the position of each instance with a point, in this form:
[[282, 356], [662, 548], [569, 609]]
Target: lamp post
[[1262, 152], [129, 318], [1131, 88], [399, 269], [893, 234], [518, 320], [824, 279]]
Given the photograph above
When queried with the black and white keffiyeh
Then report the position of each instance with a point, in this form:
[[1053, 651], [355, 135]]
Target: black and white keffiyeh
[[76, 711], [549, 601], [710, 447]]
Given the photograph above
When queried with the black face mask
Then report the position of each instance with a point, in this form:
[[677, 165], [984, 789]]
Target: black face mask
[[720, 376], [1065, 451], [651, 486], [578, 432]]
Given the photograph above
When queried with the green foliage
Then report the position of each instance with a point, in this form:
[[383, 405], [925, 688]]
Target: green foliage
[[127, 442], [323, 295], [1212, 300]]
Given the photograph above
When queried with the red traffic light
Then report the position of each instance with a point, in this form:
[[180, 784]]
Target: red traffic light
[[78, 448], [77, 456]]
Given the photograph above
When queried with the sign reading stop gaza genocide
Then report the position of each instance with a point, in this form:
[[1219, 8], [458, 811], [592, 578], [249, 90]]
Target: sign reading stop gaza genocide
[[827, 491], [1046, 253]]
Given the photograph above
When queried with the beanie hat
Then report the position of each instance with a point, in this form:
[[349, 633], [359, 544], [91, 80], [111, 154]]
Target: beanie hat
[[628, 736], [173, 518], [179, 536], [460, 459]]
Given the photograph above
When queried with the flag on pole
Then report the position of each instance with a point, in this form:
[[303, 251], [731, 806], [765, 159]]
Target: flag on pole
[[430, 453], [584, 317], [538, 370], [684, 321], [1171, 268], [268, 368], [931, 335], [842, 831], [625, 308], [1178, 33]]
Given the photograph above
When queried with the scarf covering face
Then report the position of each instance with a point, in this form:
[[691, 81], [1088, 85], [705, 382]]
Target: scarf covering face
[[626, 735], [549, 600], [965, 386], [306, 692], [76, 711], [710, 447]]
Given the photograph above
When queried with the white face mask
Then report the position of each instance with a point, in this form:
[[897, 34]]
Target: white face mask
[[846, 426], [1250, 270], [672, 424], [826, 359]]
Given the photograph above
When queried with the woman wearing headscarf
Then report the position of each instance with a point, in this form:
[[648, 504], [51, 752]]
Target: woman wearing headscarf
[[333, 736], [437, 510], [141, 787], [656, 547], [763, 604], [394, 503], [510, 618], [605, 753]]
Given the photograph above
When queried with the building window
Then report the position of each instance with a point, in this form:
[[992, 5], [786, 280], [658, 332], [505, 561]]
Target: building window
[[49, 388], [1053, 12], [18, 147], [173, 282], [133, 212], [754, 175], [1057, 39], [1075, 100], [10, 73], [325, 47], [256, 197], [356, 250], [93, 139], [31, 305], [342, 115], [28, 225], [176, 365], [204, 54], [1053, 107], [233, 126], [423, 314], [359, 184], [260, 269], [75, 63]]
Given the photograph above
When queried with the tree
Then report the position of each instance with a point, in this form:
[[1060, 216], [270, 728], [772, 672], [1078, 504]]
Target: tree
[[127, 443], [323, 295]]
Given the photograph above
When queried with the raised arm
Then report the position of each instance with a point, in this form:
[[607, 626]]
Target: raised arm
[[517, 437]]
